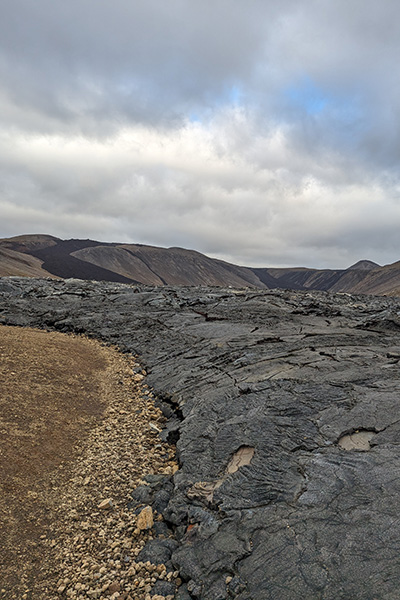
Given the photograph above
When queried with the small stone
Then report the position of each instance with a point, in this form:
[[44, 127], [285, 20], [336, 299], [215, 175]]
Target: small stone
[[145, 519], [154, 427], [105, 504], [228, 580], [115, 586]]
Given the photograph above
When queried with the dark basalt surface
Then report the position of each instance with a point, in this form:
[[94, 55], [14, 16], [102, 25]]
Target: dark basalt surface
[[269, 387]]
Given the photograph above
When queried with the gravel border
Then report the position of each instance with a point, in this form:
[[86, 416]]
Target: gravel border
[[93, 547]]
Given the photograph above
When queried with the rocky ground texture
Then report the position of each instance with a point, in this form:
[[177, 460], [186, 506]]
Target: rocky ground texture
[[79, 459], [285, 409], [97, 541]]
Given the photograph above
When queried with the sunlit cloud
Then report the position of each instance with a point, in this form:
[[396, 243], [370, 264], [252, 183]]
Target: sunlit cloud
[[265, 134]]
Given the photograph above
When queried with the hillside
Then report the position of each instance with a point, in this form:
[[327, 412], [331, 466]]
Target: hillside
[[167, 266], [48, 256], [19, 264], [123, 263]]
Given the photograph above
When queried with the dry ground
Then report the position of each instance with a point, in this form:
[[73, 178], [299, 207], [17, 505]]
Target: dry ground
[[74, 431]]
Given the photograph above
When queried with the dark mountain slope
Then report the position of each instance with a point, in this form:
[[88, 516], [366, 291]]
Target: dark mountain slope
[[29, 243], [300, 278], [119, 260], [58, 260], [20, 264], [269, 280], [383, 281], [340, 280], [152, 265], [365, 265]]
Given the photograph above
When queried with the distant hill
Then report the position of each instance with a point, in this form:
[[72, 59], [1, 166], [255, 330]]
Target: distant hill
[[126, 263], [48, 256]]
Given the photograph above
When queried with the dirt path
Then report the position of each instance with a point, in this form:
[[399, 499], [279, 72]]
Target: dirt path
[[74, 432]]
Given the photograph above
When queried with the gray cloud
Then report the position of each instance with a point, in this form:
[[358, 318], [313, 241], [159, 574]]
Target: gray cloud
[[134, 61], [261, 132]]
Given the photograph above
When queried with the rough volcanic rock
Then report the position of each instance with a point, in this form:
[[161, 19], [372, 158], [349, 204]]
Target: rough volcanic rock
[[272, 382]]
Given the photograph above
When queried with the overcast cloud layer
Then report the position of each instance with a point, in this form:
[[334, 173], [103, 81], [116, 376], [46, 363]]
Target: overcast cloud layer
[[262, 132]]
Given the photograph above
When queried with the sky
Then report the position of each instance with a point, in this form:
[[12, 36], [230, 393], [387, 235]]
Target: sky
[[264, 133]]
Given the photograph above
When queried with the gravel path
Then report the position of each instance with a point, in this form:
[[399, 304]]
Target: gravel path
[[90, 543]]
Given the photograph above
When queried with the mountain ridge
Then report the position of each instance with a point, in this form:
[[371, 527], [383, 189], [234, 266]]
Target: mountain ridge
[[40, 255]]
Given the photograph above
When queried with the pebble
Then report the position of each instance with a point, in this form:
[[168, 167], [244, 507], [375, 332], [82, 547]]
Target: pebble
[[114, 587], [105, 504], [145, 519]]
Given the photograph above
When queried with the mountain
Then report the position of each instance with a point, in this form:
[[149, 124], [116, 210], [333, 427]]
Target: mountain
[[17, 263], [167, 266], [363, 265], [48, 256], [16, 256], [383, 281], [124, 263]]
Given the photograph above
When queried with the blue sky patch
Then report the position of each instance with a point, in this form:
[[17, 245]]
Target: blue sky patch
[[307, 96]]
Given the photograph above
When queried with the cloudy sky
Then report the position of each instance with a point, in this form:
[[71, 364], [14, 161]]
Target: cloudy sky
[[265, 133]]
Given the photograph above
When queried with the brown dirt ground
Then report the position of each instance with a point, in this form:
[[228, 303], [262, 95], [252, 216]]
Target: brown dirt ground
[[54, 390], [50, 395]]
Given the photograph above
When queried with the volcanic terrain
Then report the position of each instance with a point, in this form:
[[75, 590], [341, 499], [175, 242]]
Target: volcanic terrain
[[284, 408], [47, 256]]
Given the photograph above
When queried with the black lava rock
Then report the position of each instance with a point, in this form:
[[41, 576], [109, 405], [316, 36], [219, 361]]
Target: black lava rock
[[286, 375], [163, 588], [158, 551]]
